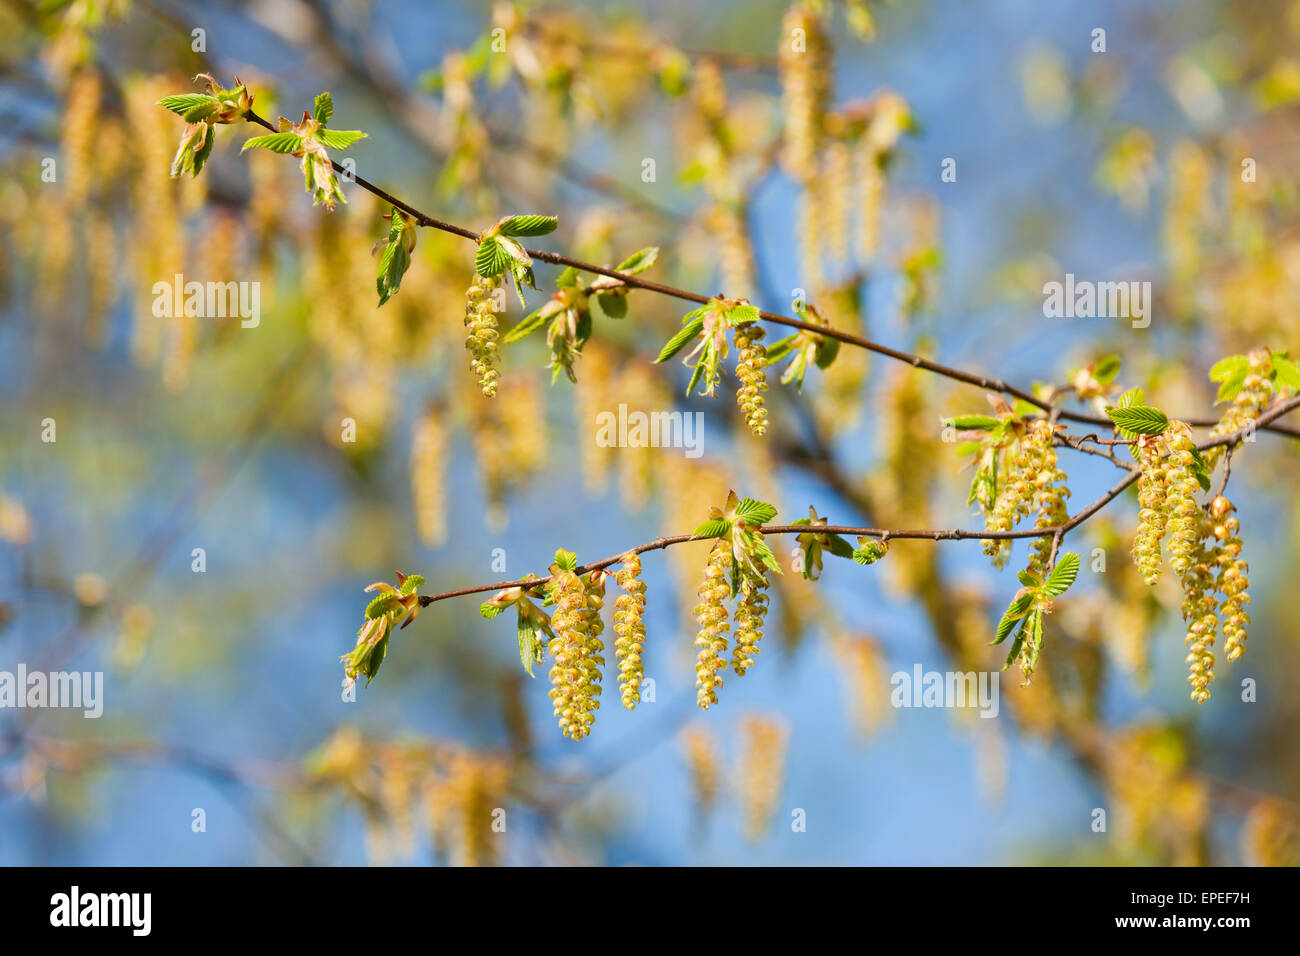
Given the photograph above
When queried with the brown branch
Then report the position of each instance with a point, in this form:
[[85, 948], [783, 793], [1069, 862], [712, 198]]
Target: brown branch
[[1057, 531], [636, 282]]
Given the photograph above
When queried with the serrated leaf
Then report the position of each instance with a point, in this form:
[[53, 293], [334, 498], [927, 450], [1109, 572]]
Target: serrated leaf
[[639, 261], [754, 512], [490, 259], [1063, 575], [713, 528], [1229, 367], [527, 642], [1027, 579], [412, 583], [679, 341], [489, 610], [183, 103], [742, 313], [1016, 610], [285, 142], [323, 108], [839, 547], [1139, 419], [567, 560], [1200, 469], [781, 348], [339, 138], [528, 225]]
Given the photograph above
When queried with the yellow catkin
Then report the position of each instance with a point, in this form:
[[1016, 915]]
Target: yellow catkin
[[861, 667], [751, 364], [157, 246], [1153, 489], [726, 223], [469, 796], [629, 628], [576, 647], [1233, 579], [1198, 609], [482, 340], [1182, 516], [838, 181], [871, 196], [751, 609], [1052, 497], [762, 770], [705, 766], [1031, 467], [593, 394], [1160, 808], [80, 123], [428, 477], [711, 613], [808, 240], [806, 74]]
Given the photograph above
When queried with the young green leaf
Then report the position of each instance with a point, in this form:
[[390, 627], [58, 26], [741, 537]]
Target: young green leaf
[[713, 528], [284, 142], [323, 108], [1063, 575], [527, 225], [639, 261], [1138, 419], [339, 138], [754, 512], [679, 341]]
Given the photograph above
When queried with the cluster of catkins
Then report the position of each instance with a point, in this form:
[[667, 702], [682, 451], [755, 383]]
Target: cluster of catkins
[[751, 363], [1032, 476], [482, 340], [715, 623], [576, 671], [1204, 551]]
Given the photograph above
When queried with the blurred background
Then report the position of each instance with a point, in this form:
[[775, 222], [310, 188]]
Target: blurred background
[[1113, 156]]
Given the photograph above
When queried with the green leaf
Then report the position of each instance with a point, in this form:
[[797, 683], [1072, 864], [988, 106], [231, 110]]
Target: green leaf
[[1105, 370], [1200, 469], [869, 552], [1138, 419], [567, 278], [839, 547], [528, 644], [974, 422], [396, 256], [754, 512], [713, 528], [1229, 367], [490, 610], [1286, 373], [1028, 580], [639, 261], [828, 349], [183, 103], [613, 304], [323, 108], [339, 138], [412, 583], [567, 560], [679, 340], [742, 313], [201, 112], [284, 142], [528, 225], [381, 605], [1016, 610], [491, 259], [1063, 575]]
